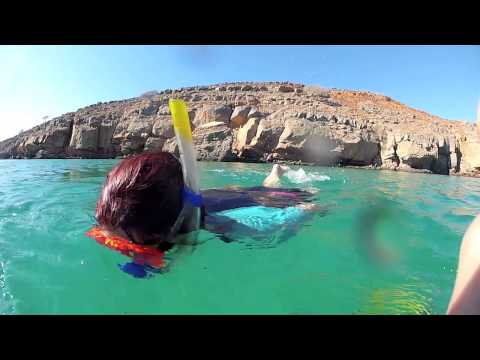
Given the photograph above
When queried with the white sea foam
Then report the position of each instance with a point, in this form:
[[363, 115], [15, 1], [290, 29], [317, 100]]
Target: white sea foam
[[217, 170], [6, 301], [300, 176]]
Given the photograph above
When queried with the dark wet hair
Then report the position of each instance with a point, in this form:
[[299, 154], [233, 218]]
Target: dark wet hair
[[142, 192]]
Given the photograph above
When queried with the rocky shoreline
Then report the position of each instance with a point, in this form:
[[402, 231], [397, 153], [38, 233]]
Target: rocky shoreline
[[263, 122]]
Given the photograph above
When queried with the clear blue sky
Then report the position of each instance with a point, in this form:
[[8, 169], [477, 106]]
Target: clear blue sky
[[38, 81]]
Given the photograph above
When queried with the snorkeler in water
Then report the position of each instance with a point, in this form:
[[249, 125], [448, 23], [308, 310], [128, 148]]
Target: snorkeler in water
[[143, 196], [152, 202]]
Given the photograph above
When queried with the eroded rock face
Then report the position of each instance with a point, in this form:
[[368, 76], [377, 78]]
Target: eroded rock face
[[277, 121], [303, 140], [245, 134], [286, 88], [50, 138], [42, 154], [84, 137], [218, 113], [132, 133], [171, 146], [162, 127], [417, 155], [265, 140], [213, 142], [154, 144], [239, 116], [360, 152], [388, 152], [470, 154]]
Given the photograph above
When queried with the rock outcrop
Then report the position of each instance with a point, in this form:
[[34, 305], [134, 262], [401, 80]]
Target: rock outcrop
[[213, 141], [278, 121]]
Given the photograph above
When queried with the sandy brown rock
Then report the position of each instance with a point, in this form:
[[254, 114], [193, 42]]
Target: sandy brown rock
[[162, 127], [239, 116], [416, 155], [286, 88], [302, 140], [171, 146], [254, 113], [276, 121], [245, 134], [207, 114], [50, 137], [470, 154], [154, 144], [213, 142], [84, 137], [265, 140], [388, 151]]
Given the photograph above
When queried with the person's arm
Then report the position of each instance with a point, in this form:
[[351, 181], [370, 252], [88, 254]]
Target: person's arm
[[466, 293]]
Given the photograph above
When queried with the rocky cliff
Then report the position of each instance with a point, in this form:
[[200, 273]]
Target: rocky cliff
[[261, 122]]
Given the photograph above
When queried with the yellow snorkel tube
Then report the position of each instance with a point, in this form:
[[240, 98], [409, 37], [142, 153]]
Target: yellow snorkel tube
[[191, 194]]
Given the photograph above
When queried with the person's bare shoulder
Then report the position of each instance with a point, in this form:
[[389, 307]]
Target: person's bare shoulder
[[466, 293]]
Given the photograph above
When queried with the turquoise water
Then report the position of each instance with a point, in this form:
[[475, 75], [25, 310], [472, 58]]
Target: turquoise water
[[48, 266]]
